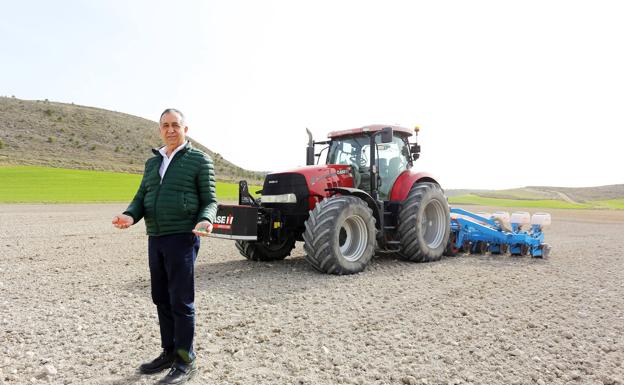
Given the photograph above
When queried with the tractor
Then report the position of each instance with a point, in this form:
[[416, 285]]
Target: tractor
[[366, 199]]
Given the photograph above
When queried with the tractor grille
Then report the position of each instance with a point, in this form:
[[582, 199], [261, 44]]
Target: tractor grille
[[287, 183]]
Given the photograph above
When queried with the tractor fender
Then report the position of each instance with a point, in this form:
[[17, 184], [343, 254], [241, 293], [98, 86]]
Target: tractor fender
[[406, 180], [363, 195]]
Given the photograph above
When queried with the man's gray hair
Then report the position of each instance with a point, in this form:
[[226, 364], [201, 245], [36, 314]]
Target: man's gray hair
[[173, 110]]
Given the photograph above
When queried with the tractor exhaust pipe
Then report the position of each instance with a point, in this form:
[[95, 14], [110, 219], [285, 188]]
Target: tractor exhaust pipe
[[310, 149]]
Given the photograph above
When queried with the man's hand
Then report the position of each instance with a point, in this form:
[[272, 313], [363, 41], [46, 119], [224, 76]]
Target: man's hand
[[203, 228], [122, 221]]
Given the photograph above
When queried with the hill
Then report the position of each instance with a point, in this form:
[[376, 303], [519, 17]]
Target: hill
[[610, 196], [566, 194], [45, 133]]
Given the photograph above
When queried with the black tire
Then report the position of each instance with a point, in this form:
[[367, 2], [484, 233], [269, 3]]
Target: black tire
[[260, 251], [340, 235], [424, 223]]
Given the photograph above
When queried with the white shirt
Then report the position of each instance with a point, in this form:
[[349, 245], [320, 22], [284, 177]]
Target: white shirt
[[166, 160]]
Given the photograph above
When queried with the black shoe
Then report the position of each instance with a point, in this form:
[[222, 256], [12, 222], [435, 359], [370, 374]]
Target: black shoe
[[179, 373], [158, 364]]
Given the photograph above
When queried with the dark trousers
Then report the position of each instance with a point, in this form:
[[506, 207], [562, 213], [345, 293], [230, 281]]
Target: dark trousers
[[172, 268]]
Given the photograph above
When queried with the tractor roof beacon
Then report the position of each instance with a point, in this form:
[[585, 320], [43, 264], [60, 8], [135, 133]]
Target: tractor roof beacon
[[367, 198]]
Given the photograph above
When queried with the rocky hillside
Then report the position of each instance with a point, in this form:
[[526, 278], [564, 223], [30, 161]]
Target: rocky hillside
[[71, 136]]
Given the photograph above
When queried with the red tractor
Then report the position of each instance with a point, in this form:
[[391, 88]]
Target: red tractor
[[366, 199]]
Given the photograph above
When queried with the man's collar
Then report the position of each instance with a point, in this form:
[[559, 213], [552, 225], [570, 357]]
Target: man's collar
[[163, 150]]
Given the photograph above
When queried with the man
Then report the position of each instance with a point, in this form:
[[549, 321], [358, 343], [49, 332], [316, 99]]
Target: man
[[178, 201]]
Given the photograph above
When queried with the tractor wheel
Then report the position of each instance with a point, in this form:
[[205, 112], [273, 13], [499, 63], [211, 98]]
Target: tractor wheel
[[260, 251], [424, 223], [340, 235]]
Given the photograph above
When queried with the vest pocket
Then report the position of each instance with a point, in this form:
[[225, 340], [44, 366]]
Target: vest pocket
[[189, 204]]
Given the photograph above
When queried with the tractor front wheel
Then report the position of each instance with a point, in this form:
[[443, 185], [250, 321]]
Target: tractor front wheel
[[340, 235], [424, 223], [266, 252]]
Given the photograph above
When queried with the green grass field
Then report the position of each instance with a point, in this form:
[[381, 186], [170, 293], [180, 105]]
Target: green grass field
[[29, 184], [610, 204], [545, 203]]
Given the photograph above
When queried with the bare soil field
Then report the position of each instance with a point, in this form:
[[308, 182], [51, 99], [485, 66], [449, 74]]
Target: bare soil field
[[75, 308]]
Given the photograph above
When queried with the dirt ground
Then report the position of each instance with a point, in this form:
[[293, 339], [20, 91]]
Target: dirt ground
[[75, 308]]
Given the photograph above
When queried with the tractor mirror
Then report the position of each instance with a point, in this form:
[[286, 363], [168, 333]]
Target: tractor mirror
[[415, 151], [386, 135]]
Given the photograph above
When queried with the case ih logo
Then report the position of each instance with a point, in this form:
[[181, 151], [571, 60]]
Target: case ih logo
[[223, 222]]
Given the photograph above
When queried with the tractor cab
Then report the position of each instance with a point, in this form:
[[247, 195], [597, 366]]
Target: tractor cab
[[392, 158], [392, 155]]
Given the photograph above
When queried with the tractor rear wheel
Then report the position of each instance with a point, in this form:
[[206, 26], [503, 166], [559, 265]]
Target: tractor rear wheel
[[263, 252], [424, 223], [340, 235]]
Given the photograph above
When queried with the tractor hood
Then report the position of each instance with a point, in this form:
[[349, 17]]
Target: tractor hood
[[308, 180], [328, 175]]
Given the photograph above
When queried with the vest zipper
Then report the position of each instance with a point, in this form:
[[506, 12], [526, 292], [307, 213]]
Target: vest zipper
[[158, 190]]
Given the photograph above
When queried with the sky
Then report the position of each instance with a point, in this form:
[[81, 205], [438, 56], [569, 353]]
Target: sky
[[506, 93]]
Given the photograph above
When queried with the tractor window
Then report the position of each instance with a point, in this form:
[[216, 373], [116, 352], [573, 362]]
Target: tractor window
[[347, 151], [391, 161]]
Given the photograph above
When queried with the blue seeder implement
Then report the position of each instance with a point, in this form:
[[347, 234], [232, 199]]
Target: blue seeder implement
[[479, 234]]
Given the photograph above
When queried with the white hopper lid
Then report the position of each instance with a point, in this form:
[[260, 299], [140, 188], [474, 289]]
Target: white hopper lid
[[542, 219], [520, 218]]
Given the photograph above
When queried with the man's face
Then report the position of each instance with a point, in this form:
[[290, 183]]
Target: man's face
[[172, 130]]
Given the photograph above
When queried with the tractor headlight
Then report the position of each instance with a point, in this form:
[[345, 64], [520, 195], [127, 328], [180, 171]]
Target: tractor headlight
[[283, 198]]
